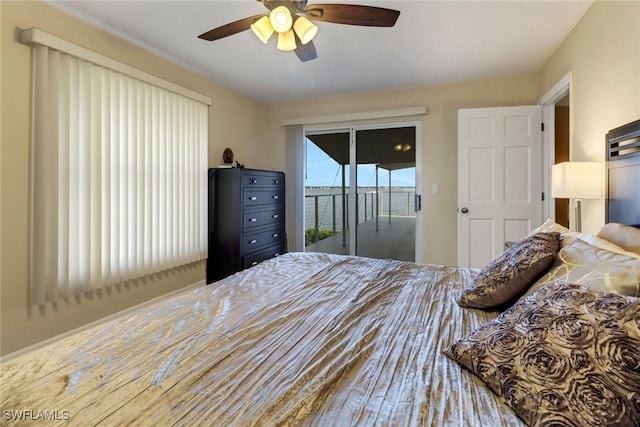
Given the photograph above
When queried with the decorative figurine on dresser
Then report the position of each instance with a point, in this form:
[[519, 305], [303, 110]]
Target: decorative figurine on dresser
[[246, 219]]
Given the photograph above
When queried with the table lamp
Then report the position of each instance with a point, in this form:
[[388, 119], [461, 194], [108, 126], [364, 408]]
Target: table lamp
[[577, 180]]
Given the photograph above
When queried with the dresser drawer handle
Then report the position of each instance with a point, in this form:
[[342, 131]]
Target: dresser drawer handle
[[275, 216], [253, 181], [253, 219], [275, 235], [276, 197], [276, 181], [253, 198], [276, 254], [254, 263], [251, 242]]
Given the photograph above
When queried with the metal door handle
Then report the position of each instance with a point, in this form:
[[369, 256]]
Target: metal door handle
[[464, 210]]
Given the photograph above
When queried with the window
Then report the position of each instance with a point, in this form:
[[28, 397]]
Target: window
[[118, 175]]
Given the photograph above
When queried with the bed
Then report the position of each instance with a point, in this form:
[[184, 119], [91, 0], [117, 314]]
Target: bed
[[319, 339]]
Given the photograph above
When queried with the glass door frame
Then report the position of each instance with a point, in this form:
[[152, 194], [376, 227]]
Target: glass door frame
[[353, 193], [352, 198]]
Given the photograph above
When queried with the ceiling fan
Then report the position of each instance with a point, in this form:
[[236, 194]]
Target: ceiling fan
[[292, 21]]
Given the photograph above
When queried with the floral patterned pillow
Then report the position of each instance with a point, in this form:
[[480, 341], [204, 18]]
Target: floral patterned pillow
[[511, 274], [565, 355]]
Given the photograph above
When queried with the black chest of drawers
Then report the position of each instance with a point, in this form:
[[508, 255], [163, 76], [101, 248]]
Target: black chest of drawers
[[246, 219]]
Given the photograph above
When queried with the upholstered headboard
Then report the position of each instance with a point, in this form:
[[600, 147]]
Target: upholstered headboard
[[623, 174]]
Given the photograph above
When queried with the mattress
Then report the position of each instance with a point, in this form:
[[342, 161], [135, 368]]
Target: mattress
[[302, 339]]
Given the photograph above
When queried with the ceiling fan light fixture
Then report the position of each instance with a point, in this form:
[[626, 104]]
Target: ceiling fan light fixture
[[406, 147], [293, 20], [281, 19], [397, 147], [305, 29], [263, 29], [287, 40]]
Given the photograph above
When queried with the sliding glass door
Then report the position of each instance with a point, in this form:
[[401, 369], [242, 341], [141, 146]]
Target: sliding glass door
[[360, 192], [327, 179], [385, 197]]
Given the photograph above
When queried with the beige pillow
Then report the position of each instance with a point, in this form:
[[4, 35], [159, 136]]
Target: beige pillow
[[566, 236], [549, 226], [597, 264], [509, 275], [625, 236], [566, 355]]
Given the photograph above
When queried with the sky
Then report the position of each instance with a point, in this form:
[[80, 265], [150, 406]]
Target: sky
[[323, 171]]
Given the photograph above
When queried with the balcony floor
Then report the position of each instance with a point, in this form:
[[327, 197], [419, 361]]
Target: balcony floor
[[395, 240]]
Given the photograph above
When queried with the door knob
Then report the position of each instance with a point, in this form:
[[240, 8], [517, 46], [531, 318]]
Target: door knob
[[464, 210]]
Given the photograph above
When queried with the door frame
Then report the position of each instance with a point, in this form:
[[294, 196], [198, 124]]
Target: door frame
[[548, 101], [352, 128]]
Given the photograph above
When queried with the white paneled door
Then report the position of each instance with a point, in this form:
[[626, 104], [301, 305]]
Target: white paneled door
[[499, 180]]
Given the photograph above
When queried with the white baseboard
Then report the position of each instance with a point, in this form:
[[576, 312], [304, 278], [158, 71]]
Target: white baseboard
[[126, 311]]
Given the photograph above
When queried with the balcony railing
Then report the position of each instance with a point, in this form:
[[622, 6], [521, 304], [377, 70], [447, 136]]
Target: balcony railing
[[328, 211]]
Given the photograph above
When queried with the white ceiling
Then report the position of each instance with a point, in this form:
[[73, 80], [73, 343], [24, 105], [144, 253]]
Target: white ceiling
[[433, 42]]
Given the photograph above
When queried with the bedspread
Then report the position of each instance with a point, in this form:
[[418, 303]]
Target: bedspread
[[303, 339]]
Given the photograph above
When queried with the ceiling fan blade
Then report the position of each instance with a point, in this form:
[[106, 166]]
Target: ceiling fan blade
[[352, 14], [230, 28], [305, 52]]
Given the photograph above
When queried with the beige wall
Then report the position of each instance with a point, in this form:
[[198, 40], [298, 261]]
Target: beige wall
[[603, 54], [439, 140], [234, 120]]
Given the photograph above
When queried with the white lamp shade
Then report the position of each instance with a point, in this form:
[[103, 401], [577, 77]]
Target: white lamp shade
[[281, 19], [576, 180], [286, 41], [263, 29], [305, 29]]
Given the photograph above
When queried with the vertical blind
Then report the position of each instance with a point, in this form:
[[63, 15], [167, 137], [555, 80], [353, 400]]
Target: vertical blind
[[296, 156], [119, 177]]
